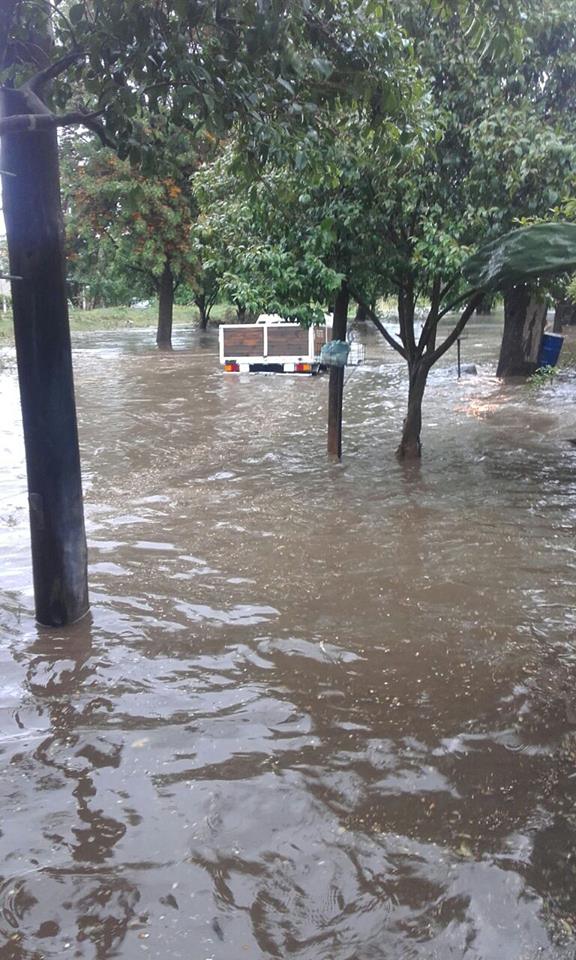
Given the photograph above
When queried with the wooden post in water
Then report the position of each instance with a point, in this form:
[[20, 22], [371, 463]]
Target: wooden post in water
[[336, 381], [34, 231]]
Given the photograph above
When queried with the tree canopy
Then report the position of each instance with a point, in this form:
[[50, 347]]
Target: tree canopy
[[204, 63], [373, 144], [123, 224]]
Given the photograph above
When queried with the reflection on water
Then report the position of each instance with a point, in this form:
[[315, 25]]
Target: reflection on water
[[319, 711]]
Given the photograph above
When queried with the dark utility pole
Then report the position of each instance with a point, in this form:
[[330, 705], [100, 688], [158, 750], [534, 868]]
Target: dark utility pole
[[31, 195], [336, 382]]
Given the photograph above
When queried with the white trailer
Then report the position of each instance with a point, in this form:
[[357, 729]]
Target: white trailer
[[273, 345]]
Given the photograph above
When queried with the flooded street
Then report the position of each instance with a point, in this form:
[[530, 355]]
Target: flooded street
[[317, 711]]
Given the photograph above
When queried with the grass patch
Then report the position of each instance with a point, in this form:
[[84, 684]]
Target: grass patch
[[124, 318]]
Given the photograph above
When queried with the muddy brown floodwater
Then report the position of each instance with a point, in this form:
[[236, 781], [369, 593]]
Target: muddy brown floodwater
[[320, 712]]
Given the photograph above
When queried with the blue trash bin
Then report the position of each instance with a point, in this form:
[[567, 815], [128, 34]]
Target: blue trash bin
[[550, 349]]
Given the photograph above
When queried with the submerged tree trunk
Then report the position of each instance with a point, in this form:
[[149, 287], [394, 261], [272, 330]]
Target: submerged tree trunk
[[421, 354], [524, 320], [336, 376], [410, 445], [35, 234], [203, 310], [165, 308], [486, 305]]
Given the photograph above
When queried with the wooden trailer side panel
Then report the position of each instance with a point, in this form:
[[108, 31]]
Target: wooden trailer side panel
[[244, 341], [320, 338], [288, 341]]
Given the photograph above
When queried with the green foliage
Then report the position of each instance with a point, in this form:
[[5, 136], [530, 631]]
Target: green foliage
[[543, 377], [571, 289], [502, 147], [272, 241], [124, 227], [399, 206], [271, 71], [205, 64], [289, 236], [525, 147]]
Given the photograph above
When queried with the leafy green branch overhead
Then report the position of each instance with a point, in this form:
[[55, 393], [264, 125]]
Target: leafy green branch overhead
[[202, 63], [529, 253]]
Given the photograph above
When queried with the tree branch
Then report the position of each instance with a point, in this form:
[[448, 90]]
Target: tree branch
[[26, 51], [130, 266], [7, 14], [447, 286], [456, 303], [30, 122], [452, 337], [27, 122], [431, 322], [406, 312], [37, 82], [378, 324], [91, 122], [147, 273], [414, 218], [58, 12]]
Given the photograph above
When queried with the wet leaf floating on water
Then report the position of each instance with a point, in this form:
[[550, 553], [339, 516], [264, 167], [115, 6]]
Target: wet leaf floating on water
[[170, 901]]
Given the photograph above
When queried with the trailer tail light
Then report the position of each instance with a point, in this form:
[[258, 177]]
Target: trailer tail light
[[303, 368], [231, 367]]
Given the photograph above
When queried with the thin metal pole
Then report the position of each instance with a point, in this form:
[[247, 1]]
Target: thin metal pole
[[336, 381]]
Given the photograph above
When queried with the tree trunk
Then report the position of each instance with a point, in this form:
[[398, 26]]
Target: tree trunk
[[361, 314], [524, 320], [485, 306], [336, 376], [165, 308], [406, 311], [564, 313], [410, 445], [35, 236], [558, 322], [200, 302]]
